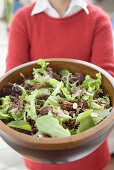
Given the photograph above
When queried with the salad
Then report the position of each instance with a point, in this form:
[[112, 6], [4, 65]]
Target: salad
[[52, 104]]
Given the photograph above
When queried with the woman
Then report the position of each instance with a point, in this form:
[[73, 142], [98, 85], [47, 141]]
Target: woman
[[68, 29]]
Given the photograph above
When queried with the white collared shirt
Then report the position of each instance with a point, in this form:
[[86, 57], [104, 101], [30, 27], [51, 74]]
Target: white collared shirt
[[74, 7]]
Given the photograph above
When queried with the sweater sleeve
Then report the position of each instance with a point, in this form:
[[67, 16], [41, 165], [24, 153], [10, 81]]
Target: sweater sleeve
[[102, 47], [18, 46]]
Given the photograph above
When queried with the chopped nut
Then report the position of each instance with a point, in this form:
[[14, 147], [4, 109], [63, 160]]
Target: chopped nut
[[83, 104], [45, 110], [66, 112], [75, 106], [66, 105]]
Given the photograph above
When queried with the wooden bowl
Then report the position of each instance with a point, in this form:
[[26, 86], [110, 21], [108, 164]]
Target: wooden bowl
[[59, 150]]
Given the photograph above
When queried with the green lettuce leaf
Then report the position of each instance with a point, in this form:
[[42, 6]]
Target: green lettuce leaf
[[95, 106], [5, 104], [43, 64], [85, 124], [53, 82], [98, 116], [66, 93], [30, 106], [84, 114], [40, 74], [20, 125], [42, 91], [16, 114], [73, 87], [24, 92], [4, 116], [65, 77], [57, 89], [49, 125], [92, 85], [77, 93], [73, 131], [38, 78], [52, 101]]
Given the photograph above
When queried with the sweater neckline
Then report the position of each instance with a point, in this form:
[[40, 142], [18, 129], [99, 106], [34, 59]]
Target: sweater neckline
[[69, 18]]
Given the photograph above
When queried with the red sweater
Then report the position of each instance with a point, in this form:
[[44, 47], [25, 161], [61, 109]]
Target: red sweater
[[80, 36]]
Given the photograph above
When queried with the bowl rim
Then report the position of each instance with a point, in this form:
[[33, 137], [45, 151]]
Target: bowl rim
[[64, 140]]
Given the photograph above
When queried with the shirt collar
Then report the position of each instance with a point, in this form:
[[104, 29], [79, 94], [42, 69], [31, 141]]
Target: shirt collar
[[40, 6], [43, 5], [81, 3]]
